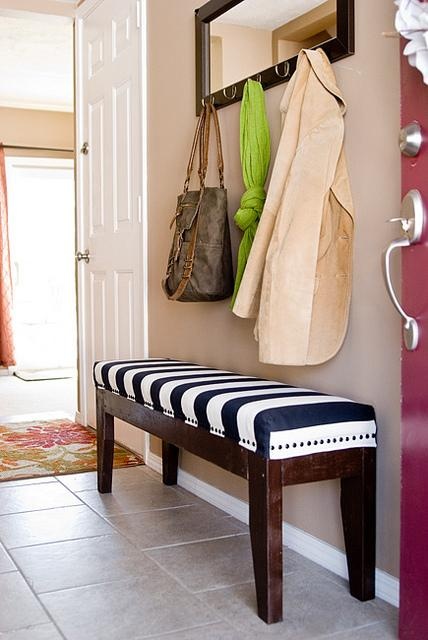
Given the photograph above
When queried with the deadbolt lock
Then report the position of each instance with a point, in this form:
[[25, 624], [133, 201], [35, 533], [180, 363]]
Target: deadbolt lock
[[411, 139]]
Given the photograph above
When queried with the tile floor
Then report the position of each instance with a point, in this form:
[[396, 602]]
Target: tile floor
[[150, 561]]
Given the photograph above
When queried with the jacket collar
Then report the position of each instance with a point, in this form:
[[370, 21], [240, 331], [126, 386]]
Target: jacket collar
[[321, 66]]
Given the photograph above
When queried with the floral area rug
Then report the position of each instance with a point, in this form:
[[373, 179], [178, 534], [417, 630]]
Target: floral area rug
[[52, 447]]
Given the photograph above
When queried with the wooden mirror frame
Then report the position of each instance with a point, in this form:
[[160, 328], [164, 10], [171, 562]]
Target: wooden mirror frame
[[336, 48]]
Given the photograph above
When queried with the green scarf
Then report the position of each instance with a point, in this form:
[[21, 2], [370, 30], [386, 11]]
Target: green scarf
[[255, 158]]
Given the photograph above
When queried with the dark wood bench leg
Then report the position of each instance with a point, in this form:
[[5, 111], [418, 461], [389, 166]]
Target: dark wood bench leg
[[358, 504], [265, 497], [105, 445], [169, 463]]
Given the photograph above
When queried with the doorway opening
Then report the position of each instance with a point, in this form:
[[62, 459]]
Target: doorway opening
[[41, 216], [37, 134]]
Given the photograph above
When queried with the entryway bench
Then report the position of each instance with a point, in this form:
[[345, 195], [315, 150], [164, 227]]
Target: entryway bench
[[271, 433]]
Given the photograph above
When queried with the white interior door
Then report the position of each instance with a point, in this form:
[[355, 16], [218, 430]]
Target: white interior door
[[109, 180]]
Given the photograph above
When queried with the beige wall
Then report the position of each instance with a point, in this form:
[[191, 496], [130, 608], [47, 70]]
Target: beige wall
[[37, 128], [52, 7], [368, 367]]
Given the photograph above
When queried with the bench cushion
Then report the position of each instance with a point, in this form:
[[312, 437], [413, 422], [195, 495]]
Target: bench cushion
[[274, 419]]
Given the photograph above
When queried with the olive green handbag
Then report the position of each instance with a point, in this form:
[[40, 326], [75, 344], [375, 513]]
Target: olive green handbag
[[200, 261]]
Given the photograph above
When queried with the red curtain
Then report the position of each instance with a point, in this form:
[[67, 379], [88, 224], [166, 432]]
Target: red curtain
[[7, 357]]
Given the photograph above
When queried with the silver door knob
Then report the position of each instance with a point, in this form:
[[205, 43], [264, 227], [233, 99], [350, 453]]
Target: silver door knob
[[83, 255]]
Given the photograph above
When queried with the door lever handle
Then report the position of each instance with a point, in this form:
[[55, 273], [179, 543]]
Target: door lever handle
[[412, 223], [410, 326], [83, 255], [405, 223]]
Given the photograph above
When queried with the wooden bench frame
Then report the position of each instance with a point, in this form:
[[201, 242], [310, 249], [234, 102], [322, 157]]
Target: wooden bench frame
[[355, 467]]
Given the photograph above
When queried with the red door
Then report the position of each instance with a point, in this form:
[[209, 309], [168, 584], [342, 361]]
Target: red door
[[414, 437]]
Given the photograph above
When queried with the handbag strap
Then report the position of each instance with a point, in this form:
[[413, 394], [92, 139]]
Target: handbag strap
[[220, 162], [202, 135], [204, 141], [198, 133]]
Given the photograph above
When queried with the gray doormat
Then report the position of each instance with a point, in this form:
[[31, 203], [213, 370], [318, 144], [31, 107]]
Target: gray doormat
[[44, 374]]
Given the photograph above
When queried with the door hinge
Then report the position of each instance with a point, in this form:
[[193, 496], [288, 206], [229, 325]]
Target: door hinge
[[138, 14], [140, 209]]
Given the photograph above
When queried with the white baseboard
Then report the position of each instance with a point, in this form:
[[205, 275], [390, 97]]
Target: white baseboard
[[78, 417], [154, 462], [324, 554], [7, 371]]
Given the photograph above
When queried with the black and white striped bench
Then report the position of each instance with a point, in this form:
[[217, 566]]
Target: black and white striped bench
[[272, 433]]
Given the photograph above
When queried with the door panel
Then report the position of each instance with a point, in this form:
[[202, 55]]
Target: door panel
[[414, 437], [121, 35], [96, 169], [124, 314], [95, 55], [98, 316], [110, 182], [122, 158]]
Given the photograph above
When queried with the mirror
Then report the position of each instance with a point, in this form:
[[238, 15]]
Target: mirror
[[264, 35], [238, 39]]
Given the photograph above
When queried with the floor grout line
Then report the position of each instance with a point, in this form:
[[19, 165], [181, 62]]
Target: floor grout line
[[171, 575], [13, 483], [179, 506], [351, 629], [2, 573], [171, 633], [82, 504], [89, 586], [223, 586], [65, 540], [64, 506], [189, 542], [128, 513]]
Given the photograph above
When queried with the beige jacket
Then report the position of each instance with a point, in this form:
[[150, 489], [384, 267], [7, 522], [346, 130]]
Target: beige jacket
[[297, 281]]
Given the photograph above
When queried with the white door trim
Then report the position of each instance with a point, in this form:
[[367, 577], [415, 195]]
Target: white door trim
[[142, 8], [81, 13], [142, 4], [82, 413], [86, 8]]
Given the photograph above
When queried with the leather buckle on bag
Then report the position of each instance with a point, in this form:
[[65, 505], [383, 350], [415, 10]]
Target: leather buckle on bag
[[188, 267], [179, 243], [175, 216]]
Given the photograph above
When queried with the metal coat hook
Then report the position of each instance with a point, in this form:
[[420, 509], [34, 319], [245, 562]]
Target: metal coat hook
[[233, 93], [258, 78], [286, 70], [208, 100]]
